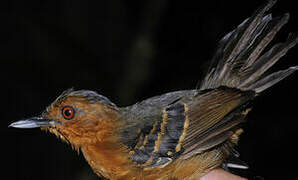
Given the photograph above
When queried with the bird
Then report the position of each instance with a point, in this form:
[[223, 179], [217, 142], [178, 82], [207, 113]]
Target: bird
[[177, 135]]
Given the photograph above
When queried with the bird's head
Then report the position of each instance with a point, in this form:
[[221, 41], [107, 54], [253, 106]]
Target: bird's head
[[78, 117]]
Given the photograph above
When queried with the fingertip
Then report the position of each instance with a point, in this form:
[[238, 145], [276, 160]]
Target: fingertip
[[220, 174]]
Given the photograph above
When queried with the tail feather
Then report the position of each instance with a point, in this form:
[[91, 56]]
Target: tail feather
[[238, 61], [268, 59], [271, 79], [264, 37]]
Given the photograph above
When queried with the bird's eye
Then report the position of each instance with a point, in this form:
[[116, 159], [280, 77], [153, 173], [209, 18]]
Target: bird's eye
[[68, 112]]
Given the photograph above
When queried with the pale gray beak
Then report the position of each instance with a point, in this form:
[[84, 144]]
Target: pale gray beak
[[33, 122]]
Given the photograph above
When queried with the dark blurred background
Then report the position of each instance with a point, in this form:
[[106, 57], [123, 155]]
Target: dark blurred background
[[128, 50]]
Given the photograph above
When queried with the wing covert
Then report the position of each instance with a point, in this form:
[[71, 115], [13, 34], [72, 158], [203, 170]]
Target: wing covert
[[162, 143]]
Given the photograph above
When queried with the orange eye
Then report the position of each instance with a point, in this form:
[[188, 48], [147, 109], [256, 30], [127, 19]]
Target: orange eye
[[68, 112]]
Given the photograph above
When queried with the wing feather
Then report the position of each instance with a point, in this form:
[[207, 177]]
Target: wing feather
[[193, 124], [213, 116]]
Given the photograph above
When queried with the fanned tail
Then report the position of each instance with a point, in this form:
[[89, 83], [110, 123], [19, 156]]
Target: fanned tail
[[238, 62]]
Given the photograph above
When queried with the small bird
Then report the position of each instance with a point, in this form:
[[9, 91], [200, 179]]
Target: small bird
[[177, 135]]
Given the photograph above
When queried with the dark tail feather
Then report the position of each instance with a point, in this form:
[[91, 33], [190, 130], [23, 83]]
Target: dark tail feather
[[267, 60], [271, 79], [237, 62]]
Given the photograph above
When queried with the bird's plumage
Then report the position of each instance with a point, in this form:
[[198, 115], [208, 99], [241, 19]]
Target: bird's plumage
[[240, 61], [177, 135], [185, 123], [182, 127]]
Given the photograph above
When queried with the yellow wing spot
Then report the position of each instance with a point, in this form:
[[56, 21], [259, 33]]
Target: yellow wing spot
[[154, 127], [140, 140], [146, 137], [186, 124], [158, 161], [162, 131], [148, 162], [131, 152], [246, 111], [144, 143], [235, 137]]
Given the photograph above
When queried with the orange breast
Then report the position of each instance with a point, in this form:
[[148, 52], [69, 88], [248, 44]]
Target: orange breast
[[112, 163]]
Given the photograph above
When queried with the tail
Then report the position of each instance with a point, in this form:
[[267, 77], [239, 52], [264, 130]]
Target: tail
[[238, 61]]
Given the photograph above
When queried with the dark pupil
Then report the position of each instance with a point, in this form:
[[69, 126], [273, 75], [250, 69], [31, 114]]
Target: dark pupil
[[67, 112]]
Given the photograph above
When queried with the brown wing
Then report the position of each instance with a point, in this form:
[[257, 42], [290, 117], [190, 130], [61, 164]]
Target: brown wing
[[212, 116], [188, 126]]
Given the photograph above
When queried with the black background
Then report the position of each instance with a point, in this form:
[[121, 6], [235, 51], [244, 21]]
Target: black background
[[128, 50]]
